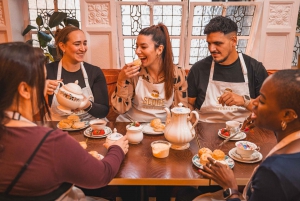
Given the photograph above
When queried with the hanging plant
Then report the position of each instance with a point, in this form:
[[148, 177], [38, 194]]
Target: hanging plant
[[44, 37]]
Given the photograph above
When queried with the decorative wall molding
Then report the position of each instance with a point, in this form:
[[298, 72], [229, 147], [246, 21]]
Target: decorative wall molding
[[280, 15], [2, 21], [98, 13]]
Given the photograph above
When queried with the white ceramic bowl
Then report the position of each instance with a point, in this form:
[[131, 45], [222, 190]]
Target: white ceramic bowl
[[245, 148], [160, 148], [98, 124], [134, 134]]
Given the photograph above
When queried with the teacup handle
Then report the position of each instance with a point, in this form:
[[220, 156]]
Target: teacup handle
[[257, 148]]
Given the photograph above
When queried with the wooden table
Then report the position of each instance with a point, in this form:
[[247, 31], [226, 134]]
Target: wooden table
[[141, 168]]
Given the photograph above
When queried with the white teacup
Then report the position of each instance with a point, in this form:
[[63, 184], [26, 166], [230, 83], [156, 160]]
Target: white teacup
[[245, 148], [98, 124], [233, 126]]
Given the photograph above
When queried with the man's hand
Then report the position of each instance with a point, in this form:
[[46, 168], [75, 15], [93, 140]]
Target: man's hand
[[230, 98]]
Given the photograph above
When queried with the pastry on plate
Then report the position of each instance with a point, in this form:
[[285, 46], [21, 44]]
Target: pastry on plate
[[157, 125], [65, 123], [203, 158], [74, 118], [78, 125], [218, 155], [159, 128], [155, 122], [204, 150]]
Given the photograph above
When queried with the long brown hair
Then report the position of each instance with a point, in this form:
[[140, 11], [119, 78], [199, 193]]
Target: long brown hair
[[160, 36], [20, 62]]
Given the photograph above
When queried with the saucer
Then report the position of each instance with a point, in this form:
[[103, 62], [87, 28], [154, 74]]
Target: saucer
[[239, 136], [228, 161], [88, 133], [68, 111], [255, 157]]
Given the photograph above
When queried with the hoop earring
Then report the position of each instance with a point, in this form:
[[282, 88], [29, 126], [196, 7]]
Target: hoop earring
[[283, 125], [295, 116]]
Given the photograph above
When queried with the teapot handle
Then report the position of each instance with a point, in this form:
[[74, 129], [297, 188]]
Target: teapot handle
[[56, 90], [197, 118]]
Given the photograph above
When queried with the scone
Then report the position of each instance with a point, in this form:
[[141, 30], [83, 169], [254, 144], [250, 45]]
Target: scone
[[83, 144], [159, 128], [203, 158], [155, 122], [204, 150], [218, 154], [78, 125], [95, 154], [65, 123], [137, 62], [74, 118]]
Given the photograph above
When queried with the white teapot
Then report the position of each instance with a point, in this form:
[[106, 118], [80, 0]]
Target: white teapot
[[71, 96], [179, 130]]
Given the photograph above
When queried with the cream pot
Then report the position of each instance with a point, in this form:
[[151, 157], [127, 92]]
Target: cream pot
[[134, 134], [114, 136], [70, 96]]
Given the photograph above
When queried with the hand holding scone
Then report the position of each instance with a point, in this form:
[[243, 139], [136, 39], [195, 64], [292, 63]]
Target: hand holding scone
[[128, 71]]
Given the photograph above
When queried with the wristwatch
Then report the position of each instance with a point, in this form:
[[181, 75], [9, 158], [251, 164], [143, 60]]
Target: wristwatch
[[227, 193], [246, 100]]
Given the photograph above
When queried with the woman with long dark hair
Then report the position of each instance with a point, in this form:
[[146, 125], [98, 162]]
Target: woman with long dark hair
[[36, 162]]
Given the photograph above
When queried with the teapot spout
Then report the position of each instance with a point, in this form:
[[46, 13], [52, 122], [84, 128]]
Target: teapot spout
[[168, 120]]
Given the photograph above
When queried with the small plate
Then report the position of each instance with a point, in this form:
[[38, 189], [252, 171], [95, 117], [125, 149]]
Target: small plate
[[149, 130], [256, 156], [86, 124], [239, 136], [88, 132], [196, 161]]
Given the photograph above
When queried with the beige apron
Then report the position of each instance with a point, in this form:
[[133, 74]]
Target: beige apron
[[56, 114], [148, 103], [218, 195], [213, 112]]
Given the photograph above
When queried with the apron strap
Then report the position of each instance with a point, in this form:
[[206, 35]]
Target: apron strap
[[15, 180]]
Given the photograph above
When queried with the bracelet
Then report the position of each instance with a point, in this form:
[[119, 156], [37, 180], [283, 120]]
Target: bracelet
[[89, 107]]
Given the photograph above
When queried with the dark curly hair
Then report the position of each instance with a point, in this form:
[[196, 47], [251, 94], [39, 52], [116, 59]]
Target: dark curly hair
[[221, 24]]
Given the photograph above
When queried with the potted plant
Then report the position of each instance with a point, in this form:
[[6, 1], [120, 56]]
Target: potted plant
[[45, 36]]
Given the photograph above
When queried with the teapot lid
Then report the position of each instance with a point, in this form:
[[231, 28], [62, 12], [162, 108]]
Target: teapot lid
[[180, 109], [73, 88]]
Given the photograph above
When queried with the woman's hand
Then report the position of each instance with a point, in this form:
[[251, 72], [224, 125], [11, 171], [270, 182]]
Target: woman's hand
[[220, 173], [51, 86], [248, 123], [122, 142], [128, 71]]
